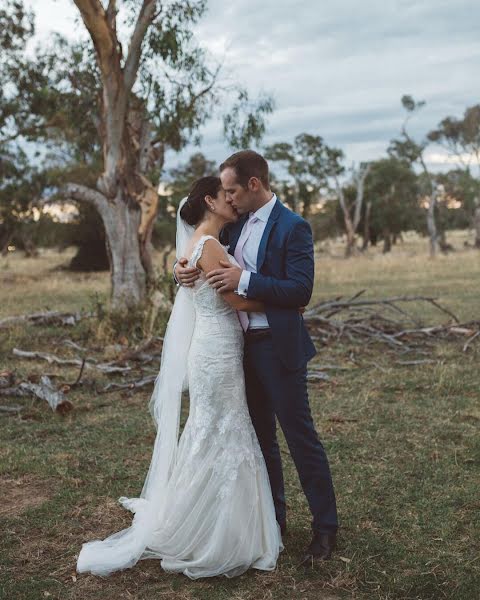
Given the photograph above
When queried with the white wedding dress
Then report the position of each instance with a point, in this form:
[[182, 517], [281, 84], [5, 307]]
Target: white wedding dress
[[215, 513]]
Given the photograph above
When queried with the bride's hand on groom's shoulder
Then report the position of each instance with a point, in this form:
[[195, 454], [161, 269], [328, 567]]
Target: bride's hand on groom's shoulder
[[225, 279], [186, 276]]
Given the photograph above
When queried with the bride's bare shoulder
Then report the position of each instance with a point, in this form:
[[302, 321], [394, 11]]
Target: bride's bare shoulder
[[212, 252]]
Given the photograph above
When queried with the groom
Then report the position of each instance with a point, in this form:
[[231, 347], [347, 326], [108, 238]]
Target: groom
[[274, 247]]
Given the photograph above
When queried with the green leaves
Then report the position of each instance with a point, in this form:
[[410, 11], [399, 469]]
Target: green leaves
[[245, 124], [309, 163], [16, 26], [460, 137], [392, 188]]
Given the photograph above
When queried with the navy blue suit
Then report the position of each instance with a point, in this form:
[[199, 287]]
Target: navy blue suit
[[276, 366]]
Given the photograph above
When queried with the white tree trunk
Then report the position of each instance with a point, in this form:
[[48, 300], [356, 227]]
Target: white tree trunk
[[360, 181], [431, 226], [127, 273], [351, 225], [121, 220]]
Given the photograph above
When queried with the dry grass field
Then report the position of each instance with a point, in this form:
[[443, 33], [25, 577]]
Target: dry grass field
[[403, 442]]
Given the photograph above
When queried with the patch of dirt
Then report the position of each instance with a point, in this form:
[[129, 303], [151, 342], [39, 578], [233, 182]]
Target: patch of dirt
[[19, 495]]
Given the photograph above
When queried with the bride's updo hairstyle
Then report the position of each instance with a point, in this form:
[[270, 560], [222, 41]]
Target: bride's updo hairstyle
[[194, 209]]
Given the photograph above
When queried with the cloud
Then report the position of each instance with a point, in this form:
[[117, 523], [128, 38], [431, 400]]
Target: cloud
[[339, 69], [336, 69]]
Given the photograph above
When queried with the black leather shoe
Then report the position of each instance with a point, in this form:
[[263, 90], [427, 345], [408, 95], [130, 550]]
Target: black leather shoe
[[320, 548]]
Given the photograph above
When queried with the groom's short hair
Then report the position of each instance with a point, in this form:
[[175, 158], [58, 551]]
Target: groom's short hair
[[247, 164]]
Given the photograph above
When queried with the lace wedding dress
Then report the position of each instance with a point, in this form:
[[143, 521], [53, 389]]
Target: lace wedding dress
[[215, 513]]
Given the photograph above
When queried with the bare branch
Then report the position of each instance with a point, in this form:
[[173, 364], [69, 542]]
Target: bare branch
[[470, 340], [112, 12], [82, 193], [97, 23], [44, 318], [45, 390], [129, 385], [383, 321], [145, 18], [195, 98], [89, 363], [16, 408]]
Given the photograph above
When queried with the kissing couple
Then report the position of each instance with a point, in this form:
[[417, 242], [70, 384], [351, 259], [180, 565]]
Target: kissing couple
[[213, 501]]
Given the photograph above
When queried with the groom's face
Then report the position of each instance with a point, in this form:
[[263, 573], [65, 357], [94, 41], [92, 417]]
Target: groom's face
[[236, 195]]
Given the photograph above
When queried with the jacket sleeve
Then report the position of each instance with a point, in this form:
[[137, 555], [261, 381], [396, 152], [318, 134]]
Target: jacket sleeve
[[296, 289]]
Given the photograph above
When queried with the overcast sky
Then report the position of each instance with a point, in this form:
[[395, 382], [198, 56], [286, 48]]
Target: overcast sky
[[336, 69]]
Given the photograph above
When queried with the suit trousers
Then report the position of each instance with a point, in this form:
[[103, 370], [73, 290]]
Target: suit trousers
[[275, 392]]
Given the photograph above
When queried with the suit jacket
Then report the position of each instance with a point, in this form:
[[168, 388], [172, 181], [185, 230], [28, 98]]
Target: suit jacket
[[284, 280]]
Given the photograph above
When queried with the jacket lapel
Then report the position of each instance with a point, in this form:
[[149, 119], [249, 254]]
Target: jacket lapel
[[266, 233], [233, 233]]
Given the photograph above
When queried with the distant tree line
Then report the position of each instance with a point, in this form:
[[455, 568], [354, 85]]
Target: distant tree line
[[379, 200]]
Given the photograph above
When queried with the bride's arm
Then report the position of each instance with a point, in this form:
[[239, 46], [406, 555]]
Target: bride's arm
[[212, 254]]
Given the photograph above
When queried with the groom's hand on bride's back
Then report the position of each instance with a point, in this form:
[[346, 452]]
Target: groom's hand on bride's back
[[186, 276], [225, 279]]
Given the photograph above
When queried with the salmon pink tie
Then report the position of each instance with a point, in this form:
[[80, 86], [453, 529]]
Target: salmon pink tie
[[238, 254]]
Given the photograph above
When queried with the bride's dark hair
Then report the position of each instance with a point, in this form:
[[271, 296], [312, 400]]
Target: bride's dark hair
[[195, 207]]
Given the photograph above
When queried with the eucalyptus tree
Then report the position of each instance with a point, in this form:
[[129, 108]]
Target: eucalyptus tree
[[110, 107], [351, 211], [313, 166], [461, 200], [304, 163], [461, 139], [391, 194], [18, 182], [406, 148], [154, 95]]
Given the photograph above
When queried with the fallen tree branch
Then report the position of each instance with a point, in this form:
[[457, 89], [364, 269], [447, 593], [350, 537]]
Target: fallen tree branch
[[15, 408], [89, 363], [44, 390], [74, 345], [314, 375], [354, 303], [470, 340], [411, 363], [383, 321], [129, 385], [14, 391], [44, 318]]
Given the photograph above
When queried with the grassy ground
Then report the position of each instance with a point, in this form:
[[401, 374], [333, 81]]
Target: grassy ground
[[403, 445]]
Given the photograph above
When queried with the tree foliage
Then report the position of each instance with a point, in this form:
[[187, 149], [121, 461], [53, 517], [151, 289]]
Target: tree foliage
[[391, 189], [461, 137], [106, 111]]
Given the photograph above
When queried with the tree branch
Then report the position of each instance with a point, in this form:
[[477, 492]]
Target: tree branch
[[159, 139], [97, 23], [112, 12], [361, 176], [82, 193], [145, 18]]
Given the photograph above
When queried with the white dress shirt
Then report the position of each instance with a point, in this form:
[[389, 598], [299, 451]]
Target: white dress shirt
[[250, 254]]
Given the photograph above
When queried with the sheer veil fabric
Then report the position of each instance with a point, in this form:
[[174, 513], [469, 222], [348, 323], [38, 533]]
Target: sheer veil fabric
[[205, 508]]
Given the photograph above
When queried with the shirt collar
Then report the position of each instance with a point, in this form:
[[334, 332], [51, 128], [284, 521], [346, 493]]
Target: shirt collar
[[263, 213]]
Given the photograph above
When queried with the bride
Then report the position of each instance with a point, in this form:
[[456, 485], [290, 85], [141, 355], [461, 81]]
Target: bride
[[206, 507]]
